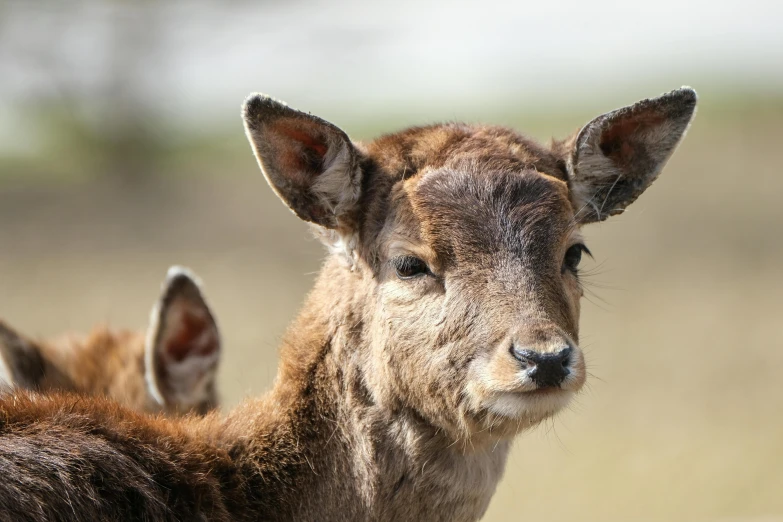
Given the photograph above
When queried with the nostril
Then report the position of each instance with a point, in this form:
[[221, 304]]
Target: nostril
[[527, 359], [565, 356]]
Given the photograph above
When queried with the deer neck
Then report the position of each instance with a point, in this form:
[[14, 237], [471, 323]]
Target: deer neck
[[351, 457]]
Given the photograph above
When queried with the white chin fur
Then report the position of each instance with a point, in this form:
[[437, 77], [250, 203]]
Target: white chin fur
[[533, 407]]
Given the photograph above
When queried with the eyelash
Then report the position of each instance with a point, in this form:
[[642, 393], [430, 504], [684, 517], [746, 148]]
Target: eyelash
[[574, 252], [409, 267]]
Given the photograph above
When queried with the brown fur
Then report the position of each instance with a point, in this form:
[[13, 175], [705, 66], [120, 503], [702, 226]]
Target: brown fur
[[104, 363], [397, 396]]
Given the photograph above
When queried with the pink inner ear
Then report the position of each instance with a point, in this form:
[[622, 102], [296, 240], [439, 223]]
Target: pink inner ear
[[301, 151], [190, 333], [305, 139], [620, 140]]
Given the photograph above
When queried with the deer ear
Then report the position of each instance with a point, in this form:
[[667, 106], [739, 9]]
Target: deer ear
[[309, 163], [182, 349], [615, 157], [21, 363]]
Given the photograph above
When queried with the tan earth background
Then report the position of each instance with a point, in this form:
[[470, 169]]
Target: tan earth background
[[122, 152]]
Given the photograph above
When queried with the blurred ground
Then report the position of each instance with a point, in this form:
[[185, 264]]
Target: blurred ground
[[683, 417]]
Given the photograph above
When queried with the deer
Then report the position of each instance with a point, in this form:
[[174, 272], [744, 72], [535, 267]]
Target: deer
[[442, 324], [170, 368]]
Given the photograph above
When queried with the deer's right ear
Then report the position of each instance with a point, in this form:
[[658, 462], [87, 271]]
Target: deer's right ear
[[309, 163]]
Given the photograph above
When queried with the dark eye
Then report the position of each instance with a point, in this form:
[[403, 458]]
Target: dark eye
[[573, 256], [408, 267]]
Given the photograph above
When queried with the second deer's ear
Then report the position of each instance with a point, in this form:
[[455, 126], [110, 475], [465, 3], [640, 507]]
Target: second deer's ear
[[182, 349], [615, 157], [309, 163], [21, 363]]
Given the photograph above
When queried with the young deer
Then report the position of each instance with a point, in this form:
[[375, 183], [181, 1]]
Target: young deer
[[170, 368], [443, 323]]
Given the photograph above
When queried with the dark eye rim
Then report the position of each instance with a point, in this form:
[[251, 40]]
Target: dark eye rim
[[419, 266], [581, 249]]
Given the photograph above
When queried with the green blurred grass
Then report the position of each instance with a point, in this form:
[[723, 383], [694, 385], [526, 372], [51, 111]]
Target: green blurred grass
[[683, 416], [69, 149]]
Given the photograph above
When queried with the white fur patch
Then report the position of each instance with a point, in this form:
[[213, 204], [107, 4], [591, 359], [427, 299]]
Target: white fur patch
[[192, 377], [149, 354], [337, 187], [342, 244], [6, 380], [178, 270], [532, 407]]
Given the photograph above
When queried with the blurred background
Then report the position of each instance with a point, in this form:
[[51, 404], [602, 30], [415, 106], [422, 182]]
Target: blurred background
[[122, 152]]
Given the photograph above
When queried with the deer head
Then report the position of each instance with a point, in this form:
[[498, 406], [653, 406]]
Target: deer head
[[455, 250]]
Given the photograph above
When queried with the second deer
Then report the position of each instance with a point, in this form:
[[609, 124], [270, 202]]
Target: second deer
[[172, 367]]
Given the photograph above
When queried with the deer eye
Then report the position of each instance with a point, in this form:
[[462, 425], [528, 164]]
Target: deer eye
[[573, 256], [408, 267]]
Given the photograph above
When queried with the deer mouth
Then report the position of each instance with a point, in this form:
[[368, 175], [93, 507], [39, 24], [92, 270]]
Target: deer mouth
[[543, 392], [520, 389], [531, 406]]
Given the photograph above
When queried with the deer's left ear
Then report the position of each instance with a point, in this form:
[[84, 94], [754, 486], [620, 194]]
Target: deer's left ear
[[182, 349], [615, 157]]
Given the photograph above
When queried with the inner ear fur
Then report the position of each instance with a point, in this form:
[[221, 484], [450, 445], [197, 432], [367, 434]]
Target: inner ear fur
[[183, 341]]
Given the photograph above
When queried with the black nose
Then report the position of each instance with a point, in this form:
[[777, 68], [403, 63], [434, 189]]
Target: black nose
[[548, 370]]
